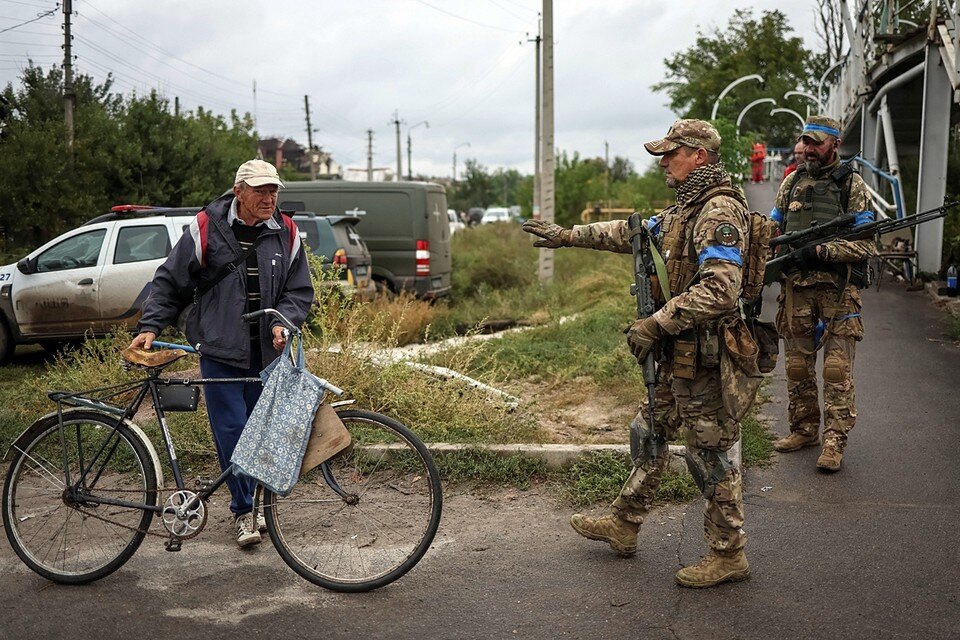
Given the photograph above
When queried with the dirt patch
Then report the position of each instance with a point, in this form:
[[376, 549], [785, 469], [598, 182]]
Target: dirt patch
[[578, 411]]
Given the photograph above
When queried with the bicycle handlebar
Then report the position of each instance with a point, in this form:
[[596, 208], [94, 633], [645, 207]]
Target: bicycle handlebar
[[332, 388], [256, 315]]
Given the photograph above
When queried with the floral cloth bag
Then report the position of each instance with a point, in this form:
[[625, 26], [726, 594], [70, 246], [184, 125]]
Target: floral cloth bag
[[270, 449]]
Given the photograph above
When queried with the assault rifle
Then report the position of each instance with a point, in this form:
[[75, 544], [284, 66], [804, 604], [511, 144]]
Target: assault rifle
[[644, 444], [840, 228]]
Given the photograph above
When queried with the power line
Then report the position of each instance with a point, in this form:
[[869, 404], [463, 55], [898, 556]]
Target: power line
[[459, 17], [504, 9], [39, 17], [27, 4]]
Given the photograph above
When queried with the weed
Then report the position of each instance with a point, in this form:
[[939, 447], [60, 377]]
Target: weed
[[480, 467], [599, 477], [952, 323], [757, 442]]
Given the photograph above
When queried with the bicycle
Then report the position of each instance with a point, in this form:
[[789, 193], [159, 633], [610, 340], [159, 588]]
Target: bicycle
[[85, 482]]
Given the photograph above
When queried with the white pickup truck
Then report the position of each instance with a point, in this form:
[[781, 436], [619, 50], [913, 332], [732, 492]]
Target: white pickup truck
[[88, 280]]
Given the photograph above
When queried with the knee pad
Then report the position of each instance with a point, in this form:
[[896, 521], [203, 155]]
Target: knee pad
[[707, 468], [797, 368], [836, 369]]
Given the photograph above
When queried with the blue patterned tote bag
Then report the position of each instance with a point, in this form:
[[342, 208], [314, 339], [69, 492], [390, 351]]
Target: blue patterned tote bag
[[270, 449]]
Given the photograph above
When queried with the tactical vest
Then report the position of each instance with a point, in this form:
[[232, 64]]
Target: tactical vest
[[817, 200], [677, 246], [821, 200]]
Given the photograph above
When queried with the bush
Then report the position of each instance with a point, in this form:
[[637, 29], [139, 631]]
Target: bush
[[492, 257]]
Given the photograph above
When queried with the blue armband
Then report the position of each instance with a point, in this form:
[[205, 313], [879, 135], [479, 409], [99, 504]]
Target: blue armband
[[776, 216], [864, 217], [716, 252], [653, 224]]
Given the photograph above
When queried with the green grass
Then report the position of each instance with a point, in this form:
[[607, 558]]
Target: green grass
[[952, 326]]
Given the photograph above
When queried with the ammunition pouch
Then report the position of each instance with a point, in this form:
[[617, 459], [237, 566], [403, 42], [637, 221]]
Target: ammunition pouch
[[708, 468], [685, 354], [768, 339], [709, 347]]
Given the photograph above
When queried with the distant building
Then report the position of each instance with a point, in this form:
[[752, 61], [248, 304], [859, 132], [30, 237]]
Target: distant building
[[380, 174], [289, 153]]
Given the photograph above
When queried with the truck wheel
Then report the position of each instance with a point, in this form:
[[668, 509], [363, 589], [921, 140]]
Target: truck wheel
[[384, 289]]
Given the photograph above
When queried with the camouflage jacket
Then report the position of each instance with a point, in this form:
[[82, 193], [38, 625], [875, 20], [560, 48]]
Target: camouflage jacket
[[834, 250], [718, 264]]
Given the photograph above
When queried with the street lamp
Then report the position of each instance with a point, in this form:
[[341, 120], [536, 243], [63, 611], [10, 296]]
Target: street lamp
[[465, 144], [410, 166], [716, 105], [743, 112], [823, 78], [791, 112], [805, 95]]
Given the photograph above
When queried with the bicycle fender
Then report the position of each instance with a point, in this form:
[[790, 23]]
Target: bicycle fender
[[30, 431]]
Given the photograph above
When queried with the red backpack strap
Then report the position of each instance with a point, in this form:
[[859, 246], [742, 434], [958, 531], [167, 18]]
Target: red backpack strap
[[294, 235], [199, 227]]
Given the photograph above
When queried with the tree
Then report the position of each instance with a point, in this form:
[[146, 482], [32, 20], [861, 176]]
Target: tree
[[697, 75]]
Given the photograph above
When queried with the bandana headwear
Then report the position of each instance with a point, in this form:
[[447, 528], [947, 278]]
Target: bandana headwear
[[699, 179]]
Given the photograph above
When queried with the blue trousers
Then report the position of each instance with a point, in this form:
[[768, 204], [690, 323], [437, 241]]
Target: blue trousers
[[228, 406]]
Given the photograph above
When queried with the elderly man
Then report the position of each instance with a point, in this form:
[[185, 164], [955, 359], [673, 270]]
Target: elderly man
[[820, 294], [702, 240], [238, 255]]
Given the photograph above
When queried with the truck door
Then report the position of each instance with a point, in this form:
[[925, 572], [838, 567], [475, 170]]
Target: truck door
[[60, 296]]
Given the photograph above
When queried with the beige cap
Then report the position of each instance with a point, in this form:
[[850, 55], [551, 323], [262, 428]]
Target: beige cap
[[257, 173], [697, 134]]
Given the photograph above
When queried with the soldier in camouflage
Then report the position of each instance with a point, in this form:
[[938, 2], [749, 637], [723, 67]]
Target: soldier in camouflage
[[819, 303], [702, 240]]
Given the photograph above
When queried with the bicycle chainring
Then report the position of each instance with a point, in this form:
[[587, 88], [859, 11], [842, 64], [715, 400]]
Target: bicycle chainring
[[184, 514]]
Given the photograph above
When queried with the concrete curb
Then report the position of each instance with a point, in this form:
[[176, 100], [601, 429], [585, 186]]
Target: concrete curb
[[559, 455], [944, 302]]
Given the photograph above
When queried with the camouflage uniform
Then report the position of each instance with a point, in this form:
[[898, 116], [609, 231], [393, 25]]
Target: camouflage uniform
[[821, 296], [691, 400]]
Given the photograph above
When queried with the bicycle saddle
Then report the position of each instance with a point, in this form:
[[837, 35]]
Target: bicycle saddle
[[149, 358]]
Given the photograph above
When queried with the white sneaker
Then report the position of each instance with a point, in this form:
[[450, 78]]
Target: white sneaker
[[261, 523], [246, 534]]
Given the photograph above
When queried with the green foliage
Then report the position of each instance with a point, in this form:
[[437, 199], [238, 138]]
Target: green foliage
[[764, 45], [756, 442], [126, 150], [599, 477], [481, 467], [492, 256]]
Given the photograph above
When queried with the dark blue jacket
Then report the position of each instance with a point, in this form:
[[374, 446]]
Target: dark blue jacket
[[214, 326]]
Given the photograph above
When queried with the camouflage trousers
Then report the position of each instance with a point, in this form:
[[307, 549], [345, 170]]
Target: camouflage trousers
[[801, 310], [695, 408]]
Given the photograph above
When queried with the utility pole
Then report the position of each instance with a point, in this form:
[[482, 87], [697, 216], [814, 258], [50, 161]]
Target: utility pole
[[547, 158], [396, 122], [67, 73], [254, 103], [176, 106], [606, 173], [409, 145], [536, 123], [313, 164], [369, 155]]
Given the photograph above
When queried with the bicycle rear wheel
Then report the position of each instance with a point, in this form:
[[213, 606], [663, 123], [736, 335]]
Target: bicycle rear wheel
[[380, 529], [65, 532]]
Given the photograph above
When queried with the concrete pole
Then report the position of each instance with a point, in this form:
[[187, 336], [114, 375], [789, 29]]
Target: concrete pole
[[369, 155], [396, 123], [547, 178], [68, 73], [934, 138], [313, 164], [536, 123]]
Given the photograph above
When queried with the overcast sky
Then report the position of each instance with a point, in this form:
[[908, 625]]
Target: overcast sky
[[458, 64]]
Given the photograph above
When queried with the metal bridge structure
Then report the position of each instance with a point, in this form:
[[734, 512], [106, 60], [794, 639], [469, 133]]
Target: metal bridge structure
[[897, 92]]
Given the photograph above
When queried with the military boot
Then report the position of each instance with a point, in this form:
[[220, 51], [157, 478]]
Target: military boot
[[621, 535], [830, 457], [713, 569], [796, 441]]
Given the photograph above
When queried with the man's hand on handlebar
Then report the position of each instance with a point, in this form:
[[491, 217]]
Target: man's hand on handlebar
[[143, 340], [279, 338]]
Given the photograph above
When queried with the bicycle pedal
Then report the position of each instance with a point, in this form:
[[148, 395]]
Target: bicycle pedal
[[202, 482], [173, 545]]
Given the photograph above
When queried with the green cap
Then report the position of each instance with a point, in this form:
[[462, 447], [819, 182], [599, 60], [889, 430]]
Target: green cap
[[697, 134]]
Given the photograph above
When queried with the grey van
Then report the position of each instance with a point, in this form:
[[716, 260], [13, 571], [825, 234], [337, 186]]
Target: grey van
[[403, 223]]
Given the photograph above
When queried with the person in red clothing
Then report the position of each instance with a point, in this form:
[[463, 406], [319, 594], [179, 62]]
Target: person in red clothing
[[756, 161], [797, 159]]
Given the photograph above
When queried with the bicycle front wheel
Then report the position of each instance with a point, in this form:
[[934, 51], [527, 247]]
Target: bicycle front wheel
[[59, 498], [383, 523]]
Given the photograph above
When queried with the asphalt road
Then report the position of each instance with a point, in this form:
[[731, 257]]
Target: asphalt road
[[869, 552]]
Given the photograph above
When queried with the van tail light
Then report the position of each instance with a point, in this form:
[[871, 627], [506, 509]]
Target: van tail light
[[423, 258], [340, 258]]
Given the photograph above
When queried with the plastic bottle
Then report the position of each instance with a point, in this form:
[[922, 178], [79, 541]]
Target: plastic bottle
[[952, 279]]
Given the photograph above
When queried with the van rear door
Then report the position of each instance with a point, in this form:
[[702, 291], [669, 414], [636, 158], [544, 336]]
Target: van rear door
[[439, 228]]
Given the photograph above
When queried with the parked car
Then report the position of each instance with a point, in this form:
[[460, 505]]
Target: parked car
[[496, 214], [455, 223], [403, 223], [336, 240], [89, 279]]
